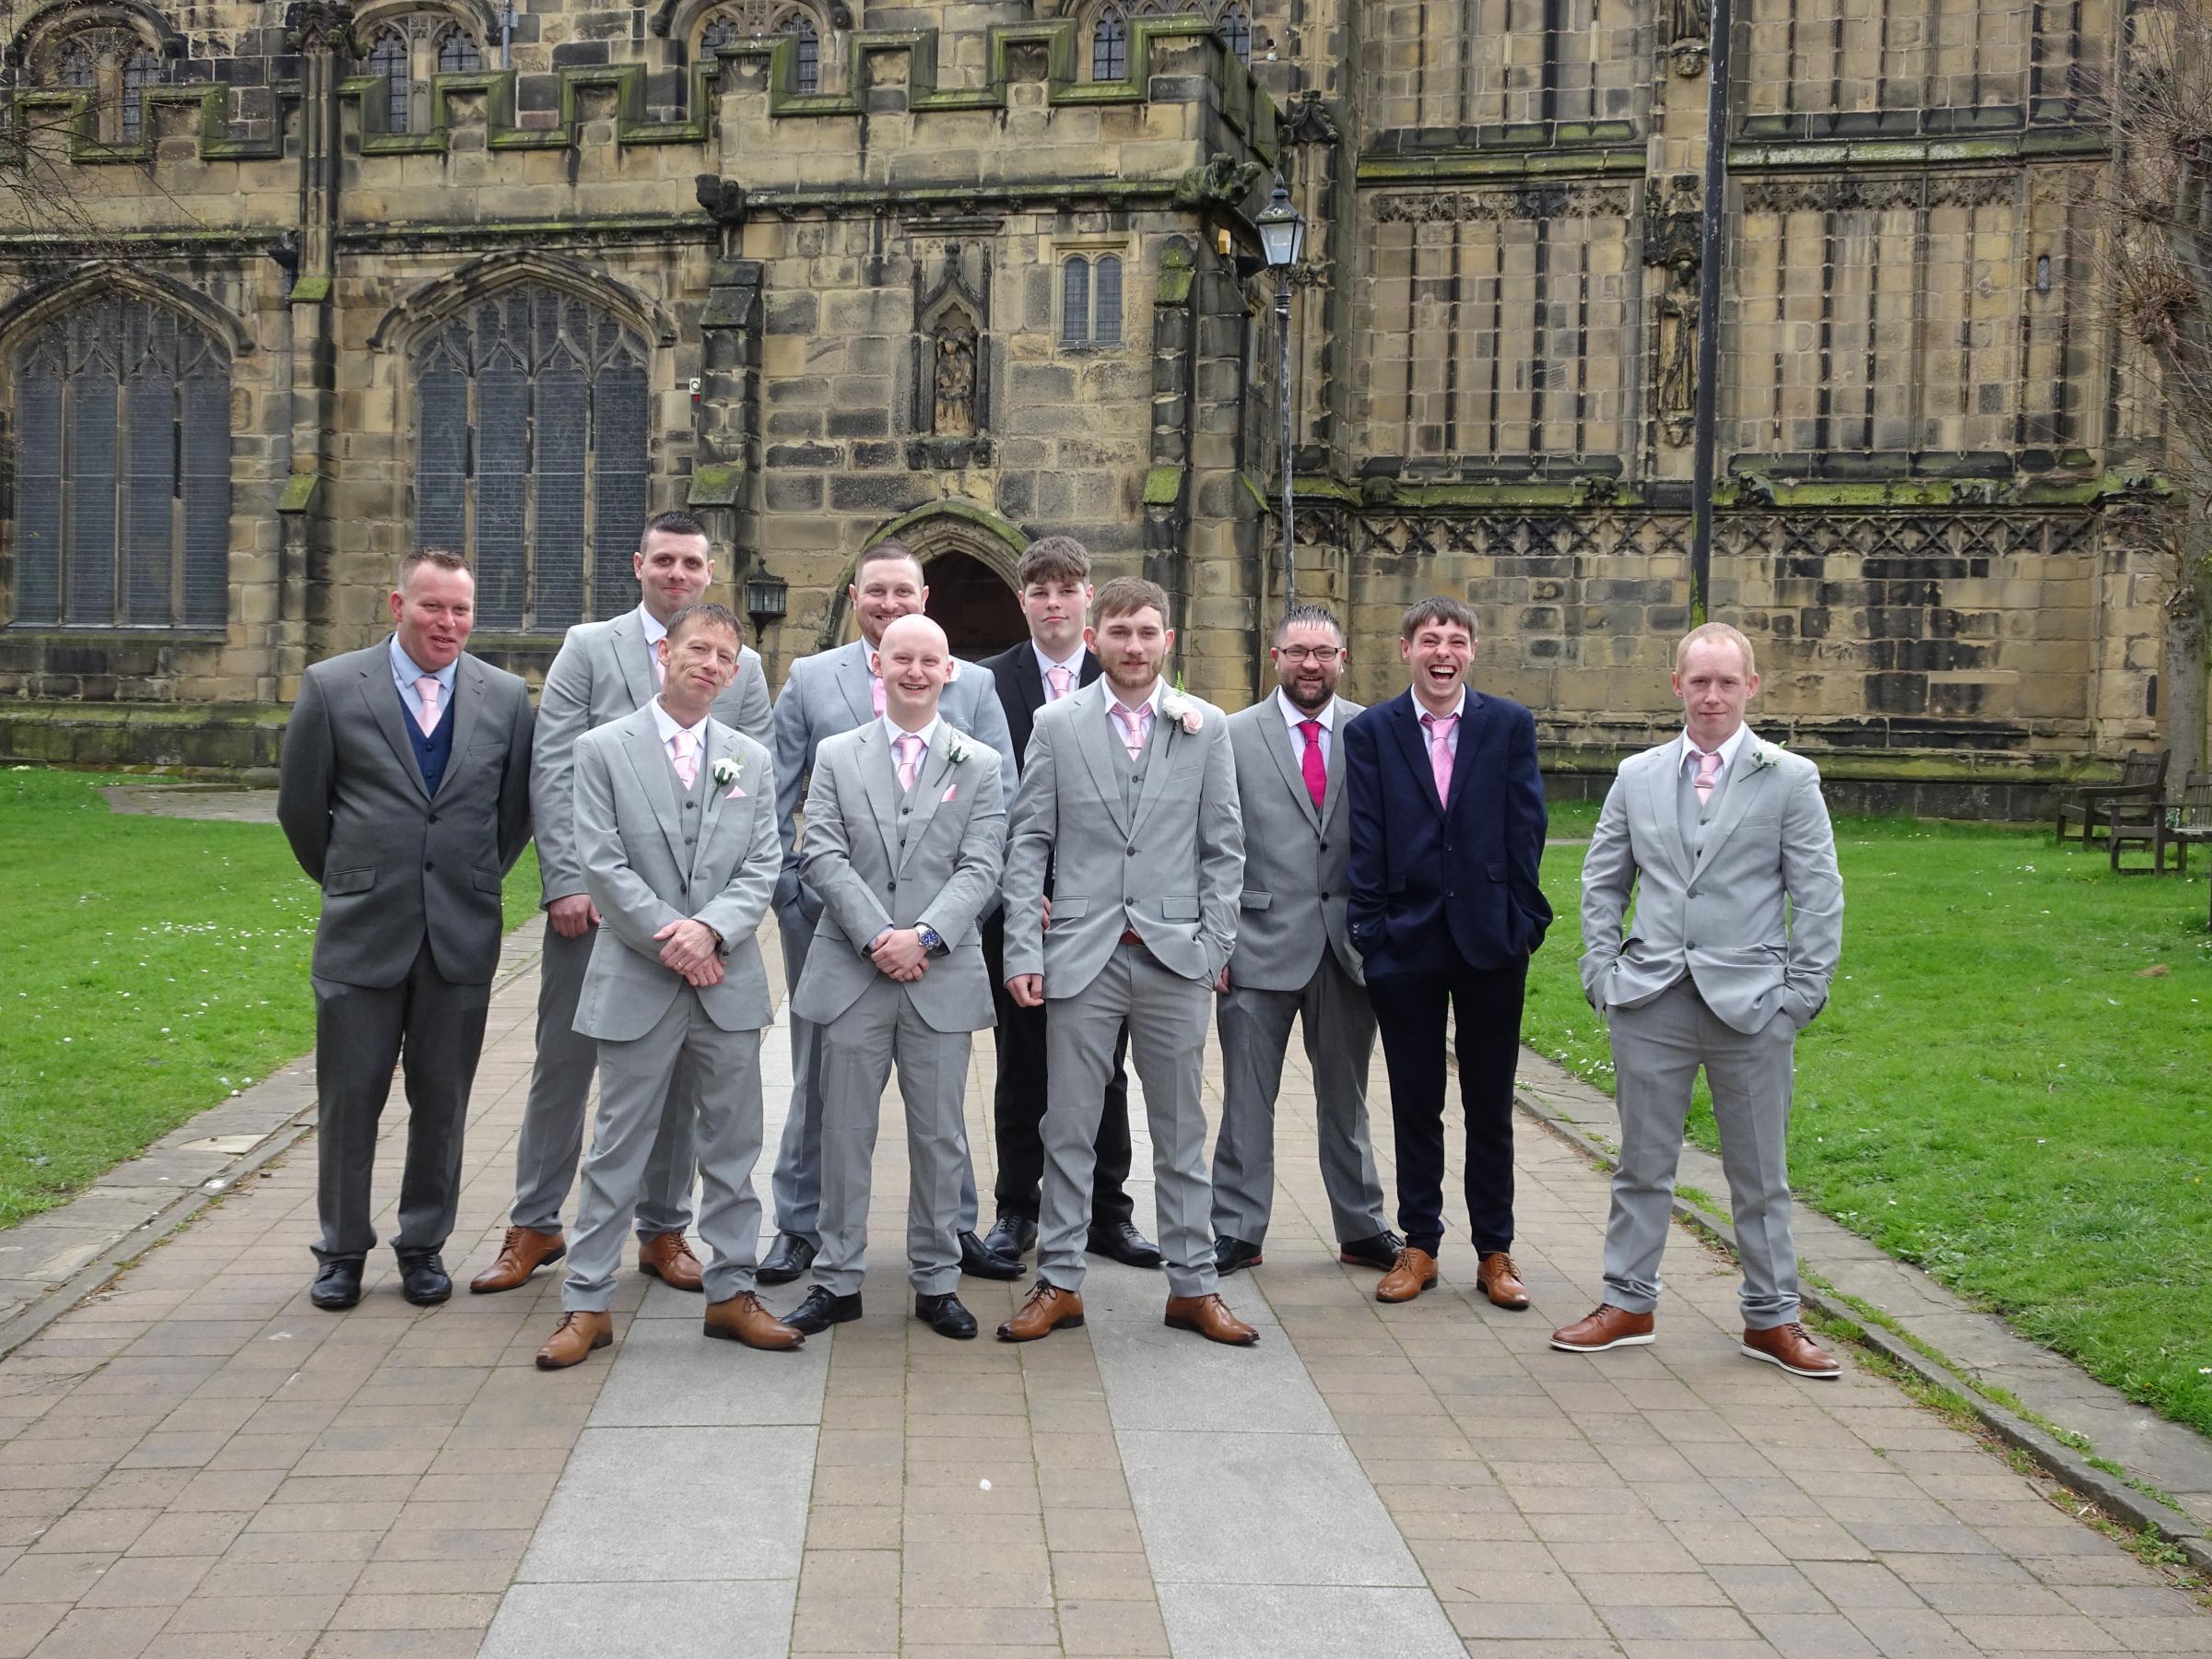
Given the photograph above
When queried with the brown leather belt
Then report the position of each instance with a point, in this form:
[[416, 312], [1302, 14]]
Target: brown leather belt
[[1130, 937]]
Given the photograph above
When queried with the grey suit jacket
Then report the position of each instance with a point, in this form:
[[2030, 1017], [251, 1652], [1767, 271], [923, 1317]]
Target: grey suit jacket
[[655, 853], [1295, 890], [828, 693], [396, 864], [1171, 870], [1719, 919], [603, 672], [880, 861]]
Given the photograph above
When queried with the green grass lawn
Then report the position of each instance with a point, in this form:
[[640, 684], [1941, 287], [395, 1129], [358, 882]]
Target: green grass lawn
[[151, 966], [2009, 1085]]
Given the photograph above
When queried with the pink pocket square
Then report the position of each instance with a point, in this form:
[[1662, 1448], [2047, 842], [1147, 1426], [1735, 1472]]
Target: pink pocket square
[[736, 794], [950, 790]]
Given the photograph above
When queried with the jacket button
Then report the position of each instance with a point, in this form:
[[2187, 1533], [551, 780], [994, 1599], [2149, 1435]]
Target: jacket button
[[427, 865], [433, 818], [690, 805], [1691, 945], [905, 811], [1133, 852], [890, 887]]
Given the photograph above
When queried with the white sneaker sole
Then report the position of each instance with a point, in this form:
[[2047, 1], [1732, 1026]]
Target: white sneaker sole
[[1813, 1376], [1570, 1347]]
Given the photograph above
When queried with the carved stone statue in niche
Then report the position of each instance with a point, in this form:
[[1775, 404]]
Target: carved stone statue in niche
[[1688, 31], [949, 415], [954, 406], [1677, 366]]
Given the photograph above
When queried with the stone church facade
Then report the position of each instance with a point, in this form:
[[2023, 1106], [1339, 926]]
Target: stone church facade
[[315, 282]]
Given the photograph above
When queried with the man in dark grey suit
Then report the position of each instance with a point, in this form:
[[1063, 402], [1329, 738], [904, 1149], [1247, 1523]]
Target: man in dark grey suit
[[1295, 959], [405, 791], [605, 671]]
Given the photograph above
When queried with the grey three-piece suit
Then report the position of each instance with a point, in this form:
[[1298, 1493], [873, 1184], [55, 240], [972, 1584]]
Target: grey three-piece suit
[[410, 937], [1294, 961], [1714, 971], [882, 857], [828, 693], [1155, 847], [604, 671], [655, 853]]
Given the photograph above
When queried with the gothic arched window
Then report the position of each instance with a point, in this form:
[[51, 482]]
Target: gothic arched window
[[388, 57], [1075, 301], [111, 67], [140, 70], [1235, 24], [1110, 47], [457, 54], [1090, 299], [531, 412], [122, 470], [757, 20]]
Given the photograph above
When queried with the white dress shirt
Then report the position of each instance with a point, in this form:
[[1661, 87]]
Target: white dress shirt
[[1457, 714], [1045, 666], [1730, 746], [668, 727], [1295, 717], [892, 732], [1150, 701], [654, 630]]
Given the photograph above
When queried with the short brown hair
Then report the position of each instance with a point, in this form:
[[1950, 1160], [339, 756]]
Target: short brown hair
[[444, 559], [1309, 616], [1438, 609], [674, 522], [705, 611], [1125, 596], [1706, 632], [1052, 558], [882, 553]]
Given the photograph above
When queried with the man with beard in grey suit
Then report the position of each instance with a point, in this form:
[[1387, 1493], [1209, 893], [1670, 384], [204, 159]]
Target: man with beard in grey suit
[[1295, 961], [905, 839], [405, 791], [604, 671], [830, 692]]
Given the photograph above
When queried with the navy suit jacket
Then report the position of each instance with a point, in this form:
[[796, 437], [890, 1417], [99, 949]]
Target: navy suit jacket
[[1437, 886]]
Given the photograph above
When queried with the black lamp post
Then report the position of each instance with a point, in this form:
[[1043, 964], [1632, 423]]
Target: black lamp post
[[1283, 236]]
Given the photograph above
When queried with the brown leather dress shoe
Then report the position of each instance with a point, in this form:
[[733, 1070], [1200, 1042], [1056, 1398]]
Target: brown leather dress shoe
[[1604, 1326], [1412, 1273], [1498, 1279], [667, 1256], [1209, 1316], [577, 1335], [1792, 1347], [521, 1253], [1047, 1310], [743, 1319]]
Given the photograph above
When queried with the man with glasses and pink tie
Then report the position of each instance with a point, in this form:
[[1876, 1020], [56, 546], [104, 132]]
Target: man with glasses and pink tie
[[1447, 835]]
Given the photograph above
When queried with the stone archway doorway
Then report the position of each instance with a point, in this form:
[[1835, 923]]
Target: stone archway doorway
[[972, 603]]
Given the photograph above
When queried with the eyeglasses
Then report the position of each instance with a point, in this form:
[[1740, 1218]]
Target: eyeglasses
[[1294, 654]]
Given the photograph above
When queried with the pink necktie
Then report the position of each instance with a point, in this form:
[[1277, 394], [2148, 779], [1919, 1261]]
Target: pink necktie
[[876, 694], [1057, 679], [426, 717], [1137, 725], [660, 673], [1315, 769], [1439, 753], [687, 757], [910, 758], [1709, 773]]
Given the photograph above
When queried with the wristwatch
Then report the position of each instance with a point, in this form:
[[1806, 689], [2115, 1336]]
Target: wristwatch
[[931, 941]]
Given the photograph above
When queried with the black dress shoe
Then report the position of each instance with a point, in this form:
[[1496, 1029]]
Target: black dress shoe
[[791, 1256], [1232, 1253], [423, 1280], [946, 1316], [1012, 1237], [1120, 1241], [978, 1261], [821, 1309], [337, 1286], [1381, 1253]]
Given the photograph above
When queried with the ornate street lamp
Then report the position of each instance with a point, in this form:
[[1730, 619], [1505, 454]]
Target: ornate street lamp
[[1283, 236]]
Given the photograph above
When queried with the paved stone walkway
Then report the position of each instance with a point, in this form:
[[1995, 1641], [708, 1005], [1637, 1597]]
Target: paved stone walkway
[[195, 1462]]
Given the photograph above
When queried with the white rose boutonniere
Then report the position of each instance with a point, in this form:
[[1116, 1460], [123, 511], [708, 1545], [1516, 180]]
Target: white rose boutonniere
[[1764, 754], [956, 752], [1182, 711], [728, 768]]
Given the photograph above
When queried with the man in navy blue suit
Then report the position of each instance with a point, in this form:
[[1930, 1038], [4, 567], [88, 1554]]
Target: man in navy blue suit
[[1447, 819]]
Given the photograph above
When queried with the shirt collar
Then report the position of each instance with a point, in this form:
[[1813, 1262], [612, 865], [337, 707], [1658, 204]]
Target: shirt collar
[[1296, 716], [1456, 709], [652, 627], [669, 726], [1730, 744], [1150, 700], [1074, 665], [892, 732], [405, 670]]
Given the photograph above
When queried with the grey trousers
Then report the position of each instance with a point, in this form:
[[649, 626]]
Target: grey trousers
[[797, 1184], [1339, 1026], [553, 1117], [1657, 1049], [859, 1048], [1166, 1015], [433, 1029], [634, 1083]]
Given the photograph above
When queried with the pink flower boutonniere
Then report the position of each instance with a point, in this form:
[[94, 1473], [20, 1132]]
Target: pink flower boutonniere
[[1182, 711]]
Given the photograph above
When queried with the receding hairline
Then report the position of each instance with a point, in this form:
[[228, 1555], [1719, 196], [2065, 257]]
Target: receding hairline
[[1711, 633], [885, 553], [645, 541]]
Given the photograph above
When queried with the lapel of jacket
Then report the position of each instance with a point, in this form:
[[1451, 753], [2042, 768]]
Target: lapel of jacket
[[712, 794], [1284, 745], [1658, 779], [656, 777], [1415, 743], [879, 781], [1332, 799], [468, 705], [929, 790], [1091, 720], [1744, 783], [381, 694], [852, 664], [626, 639], [1474, 715], [1029, 679], [1159, 748]]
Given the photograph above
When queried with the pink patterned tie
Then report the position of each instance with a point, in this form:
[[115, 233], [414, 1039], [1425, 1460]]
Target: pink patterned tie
[[909, 747], [687, 757], [1137, 725], [876, 694], [1709, 773], [426, 717], [1058, 679], [1439, 752]]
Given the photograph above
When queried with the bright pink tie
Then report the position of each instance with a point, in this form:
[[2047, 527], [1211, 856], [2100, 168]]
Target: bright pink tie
[[687, 757], [1709, 773], [426, 717], [910, 758], [876, 694], [1439, 752], [1137, 725], [1058, 679], [1315, 769]]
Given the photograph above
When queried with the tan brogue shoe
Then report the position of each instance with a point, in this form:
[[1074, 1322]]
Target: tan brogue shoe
[[1498, 1279], [667, 1256], [1209, 1316], [577, 1335], [1604, 1326], [1792, 1347], [743, 1319], [1412, 1273], [521, 1253], [1047, 1310]]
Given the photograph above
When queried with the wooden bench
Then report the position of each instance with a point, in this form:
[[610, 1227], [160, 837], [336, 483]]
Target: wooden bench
[[2141, 786]]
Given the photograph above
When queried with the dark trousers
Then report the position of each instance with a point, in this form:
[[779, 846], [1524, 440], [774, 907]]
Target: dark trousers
[[1409, 1015], [433, 1029], [1018, 1106]]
